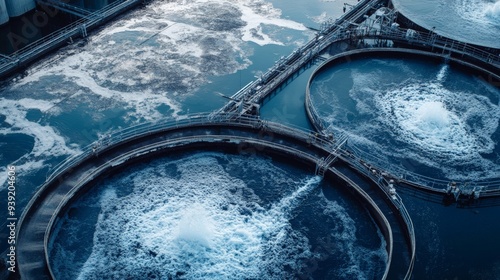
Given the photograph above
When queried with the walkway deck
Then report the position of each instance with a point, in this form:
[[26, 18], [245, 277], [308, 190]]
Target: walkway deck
[[244, 134], [244, 101], [347, 28], [26, 55], [404, 178], [232, 127]]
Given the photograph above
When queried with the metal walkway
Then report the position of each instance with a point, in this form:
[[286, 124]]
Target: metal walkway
[[231, 125], [254, 92], [70, 9], [325, 163], [26, 55], [246, 134], [472, 191], [348, 28]]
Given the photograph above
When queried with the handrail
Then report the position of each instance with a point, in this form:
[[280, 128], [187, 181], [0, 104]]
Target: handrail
[[396, 200], [377, 209], [41, 45], [412, 177], [257, 90], [130, 133], [411, 231], [191, 139], [340, 30], [486, 187]]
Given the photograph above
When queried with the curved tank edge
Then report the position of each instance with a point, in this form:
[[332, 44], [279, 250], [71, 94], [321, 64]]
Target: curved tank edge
[[4, 15], [17, 8]]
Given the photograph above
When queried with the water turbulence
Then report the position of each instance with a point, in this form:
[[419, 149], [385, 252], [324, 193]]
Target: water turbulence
[[213, 216], [426, 118], [479, 10], [196, 227], [471, 21], [420, 115], [493, 10]]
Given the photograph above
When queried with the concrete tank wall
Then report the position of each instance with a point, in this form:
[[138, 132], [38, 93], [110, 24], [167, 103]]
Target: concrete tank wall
[[18, 7], [4, 16]]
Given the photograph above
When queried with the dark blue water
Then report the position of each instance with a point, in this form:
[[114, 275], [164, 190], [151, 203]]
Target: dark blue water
[[151, 64], [213, 215], [424, 117], [435, 121], [30, 27], [471, 21], [454, 243]]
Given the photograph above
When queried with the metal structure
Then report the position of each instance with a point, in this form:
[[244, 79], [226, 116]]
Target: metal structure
[[135, 143], [470, 189], [239, 112], [63, 6], [79, 28], [382, 27]]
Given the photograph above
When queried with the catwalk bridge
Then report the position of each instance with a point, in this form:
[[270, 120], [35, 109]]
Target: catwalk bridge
[[22, 57], [382, 30], [237, 127], [349, 28], [245, 135]]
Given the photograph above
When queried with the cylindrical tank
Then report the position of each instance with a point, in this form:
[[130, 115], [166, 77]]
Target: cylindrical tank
[[18, 7], [4, 16]]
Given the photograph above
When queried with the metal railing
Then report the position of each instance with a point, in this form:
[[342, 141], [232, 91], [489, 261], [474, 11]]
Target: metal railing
[[140, 130], [133, 132], [487, 187], [417, 180], [72, 9], [386, 225], [257, 90], [52, 40], [432, 40], [341, 30], [396, 200]]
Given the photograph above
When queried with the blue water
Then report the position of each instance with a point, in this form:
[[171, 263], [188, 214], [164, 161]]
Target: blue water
[[213, 215], [454, 243], [424, 117], [168, 60], [471, 21]]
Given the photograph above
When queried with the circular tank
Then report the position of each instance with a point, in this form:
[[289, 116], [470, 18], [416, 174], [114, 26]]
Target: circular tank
[[4, 15], [471, 21], [16, 8], [414, 114], [212, 215]]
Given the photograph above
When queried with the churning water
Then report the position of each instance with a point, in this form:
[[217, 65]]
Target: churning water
[[471, 21], [216, 216], [423, 117]]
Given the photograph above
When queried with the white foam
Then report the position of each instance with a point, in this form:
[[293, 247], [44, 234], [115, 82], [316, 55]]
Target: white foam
[[196, 224], [162, 54], [255, 20], [426, 119], [442, 73], [360, 263], [419, 116], [493, 10], [47, 141], [25, 165], [479, 11]]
